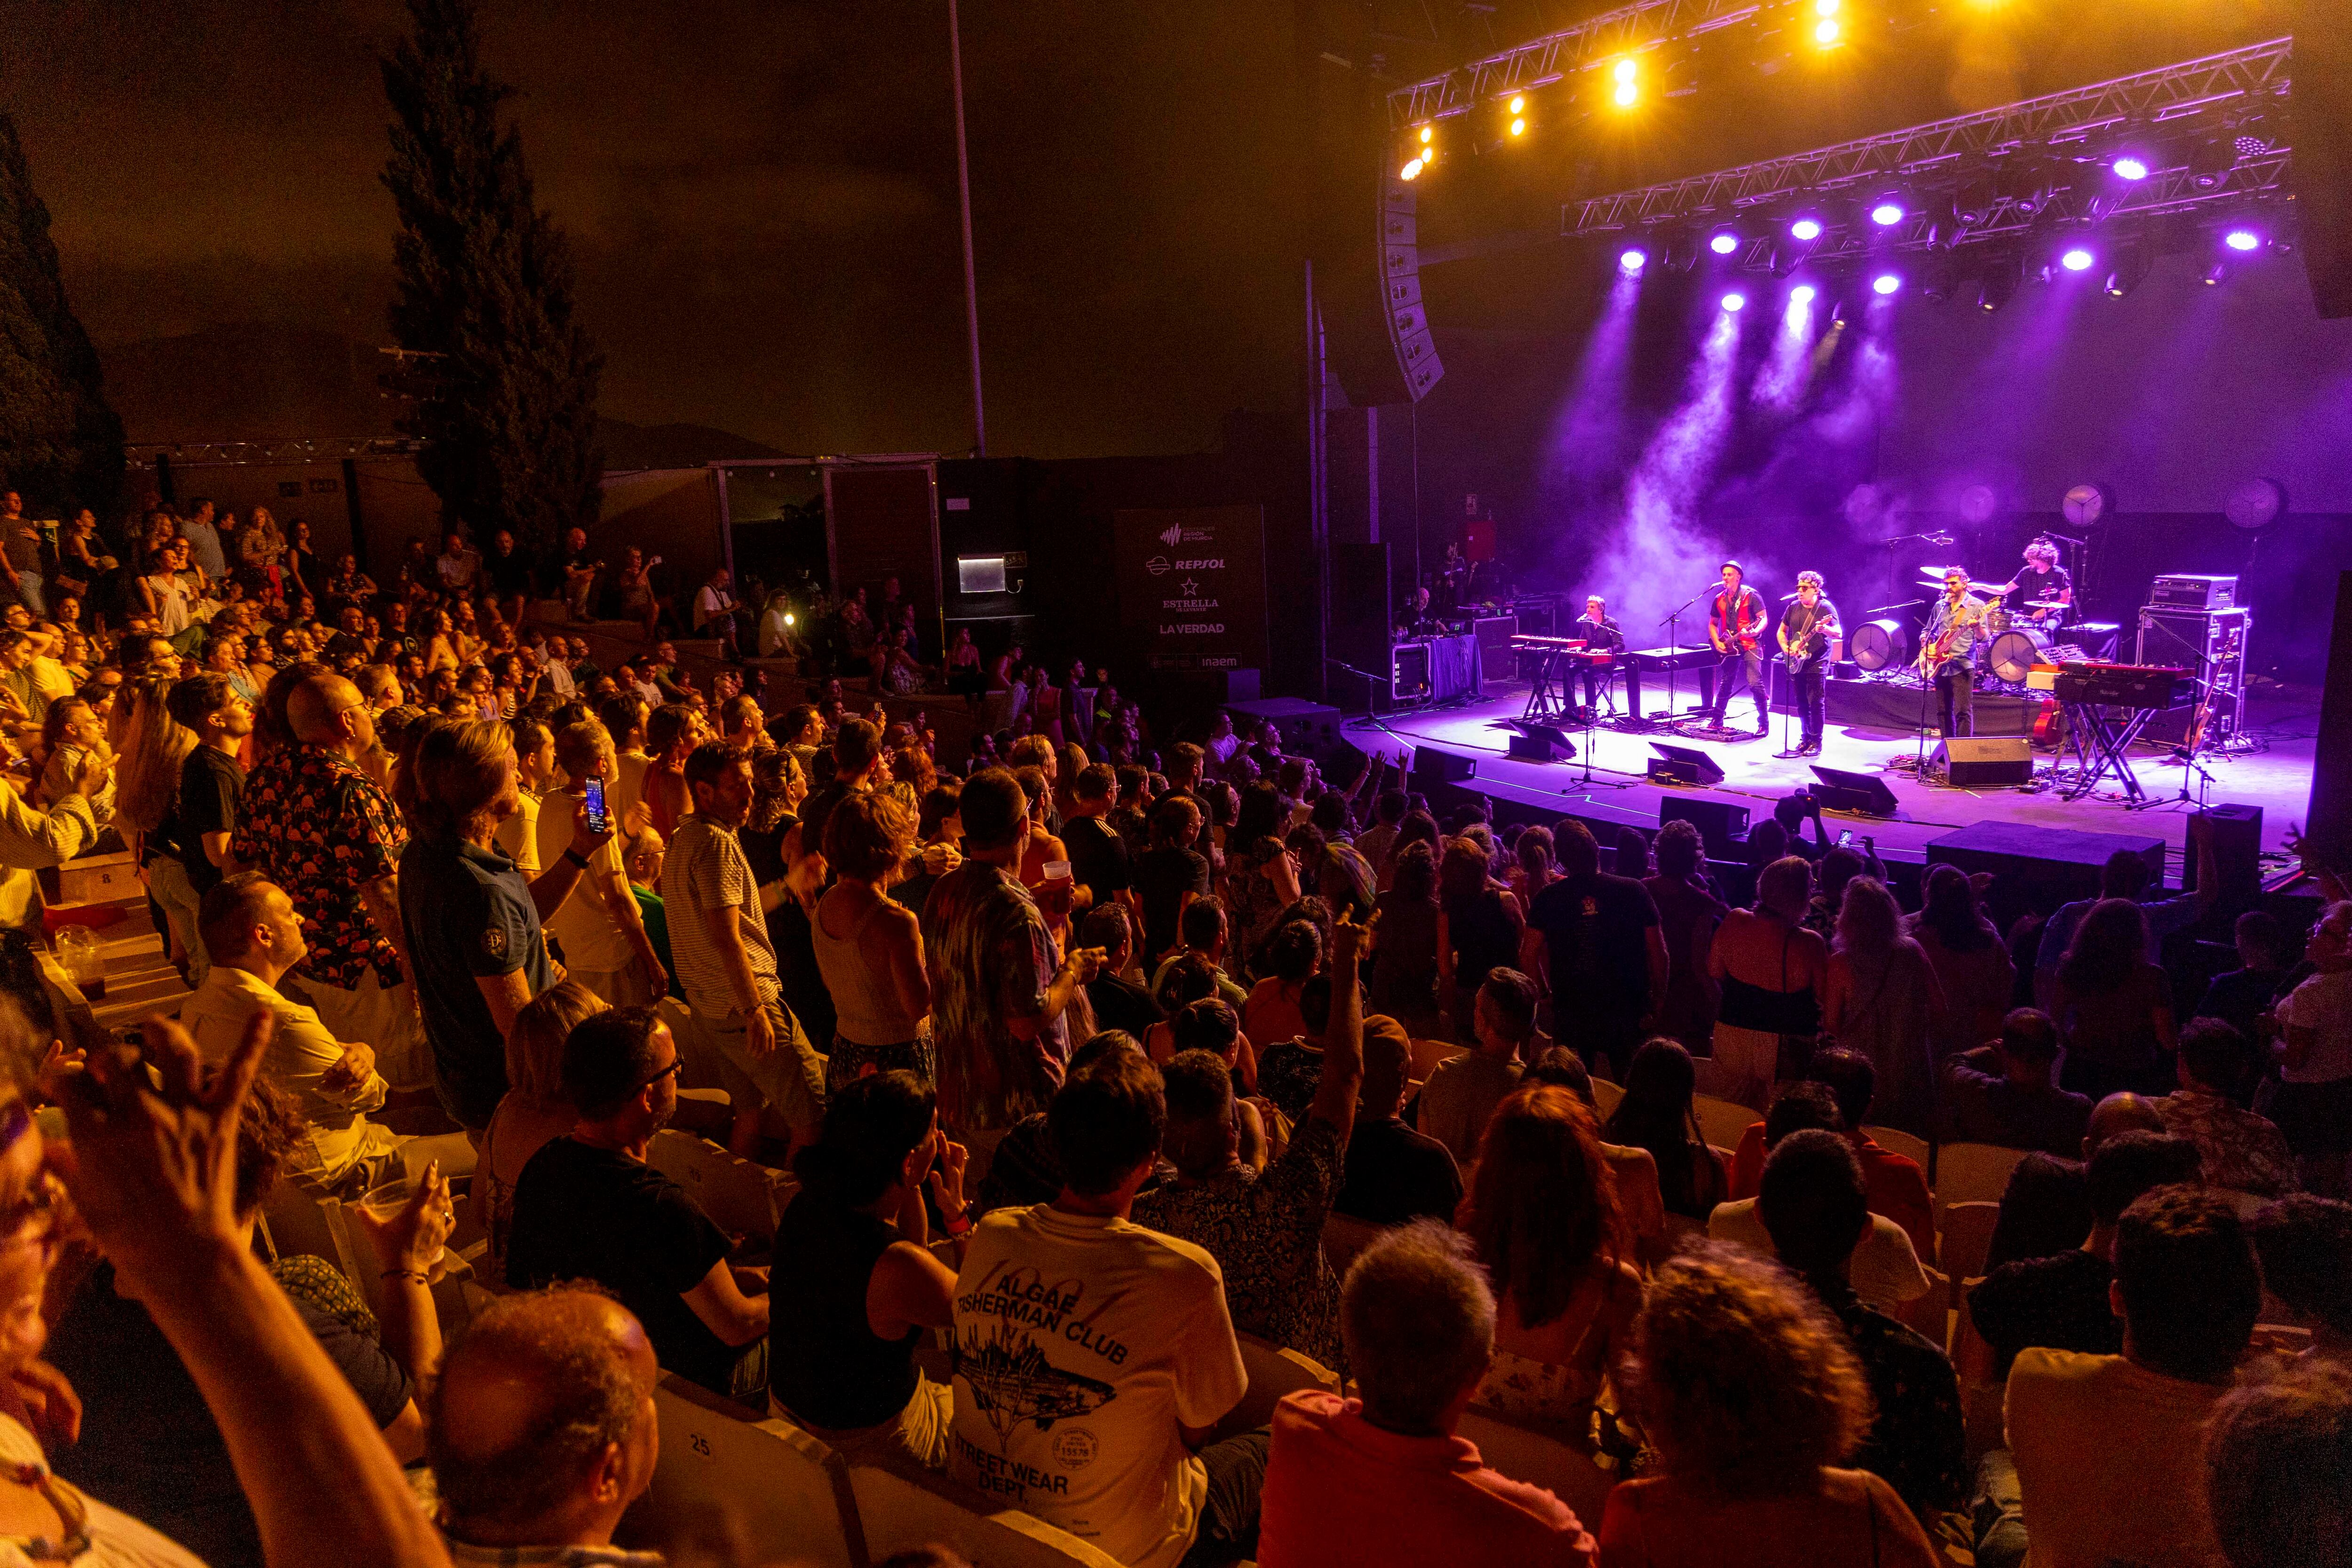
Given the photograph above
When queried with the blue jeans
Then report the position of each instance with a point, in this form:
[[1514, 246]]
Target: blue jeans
[[1228, 1529], [1741, 669]]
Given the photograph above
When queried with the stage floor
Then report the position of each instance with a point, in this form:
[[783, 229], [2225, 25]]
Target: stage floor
[[2276, 778]]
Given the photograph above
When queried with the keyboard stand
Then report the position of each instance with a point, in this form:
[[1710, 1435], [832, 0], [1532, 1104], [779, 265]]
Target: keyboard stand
[[2101, 747]]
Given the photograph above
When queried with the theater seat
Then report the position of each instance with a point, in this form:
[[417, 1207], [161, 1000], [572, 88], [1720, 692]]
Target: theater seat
[[1722, 1121], [739, 1197], [902, 1509], [1274, 1371], [1543, 1459], [1344, 1235], [783, 1494]]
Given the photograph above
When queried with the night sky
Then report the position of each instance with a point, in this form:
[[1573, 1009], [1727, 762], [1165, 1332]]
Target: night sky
[[760, 196]]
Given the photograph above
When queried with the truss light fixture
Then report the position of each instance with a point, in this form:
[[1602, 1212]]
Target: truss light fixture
[[2077, 258], [1886, 283], [1411, 170], [2130, 166], [1996, 287], [1827, 30], [1735, 301], [1626, 85], [1632, 260], [2241, 238], [1724, 240], [2128, 271], [1807, 229], [1803, 294], [1888, 210]]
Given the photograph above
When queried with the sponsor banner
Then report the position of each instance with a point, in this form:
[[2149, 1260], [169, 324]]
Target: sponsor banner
[[1192, 586]]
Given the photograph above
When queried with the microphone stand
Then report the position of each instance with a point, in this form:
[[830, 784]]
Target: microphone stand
[[1674, 647]]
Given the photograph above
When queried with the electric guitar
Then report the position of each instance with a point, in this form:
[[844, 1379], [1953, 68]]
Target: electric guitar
[[1740, 634], [1809, 646]]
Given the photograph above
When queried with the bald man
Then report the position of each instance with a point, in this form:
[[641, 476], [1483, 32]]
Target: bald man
[[2122, 1112], [541, 1428], [317, 824]]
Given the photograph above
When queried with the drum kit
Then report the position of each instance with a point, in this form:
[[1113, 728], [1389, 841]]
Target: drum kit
[[2021, 638]]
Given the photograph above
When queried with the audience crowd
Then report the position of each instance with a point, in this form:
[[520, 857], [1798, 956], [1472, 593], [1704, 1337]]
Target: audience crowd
[[1093, 1078]]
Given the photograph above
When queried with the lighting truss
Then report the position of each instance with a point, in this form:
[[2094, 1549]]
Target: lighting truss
[[1545, 61], [1935, 156], [316, 450]]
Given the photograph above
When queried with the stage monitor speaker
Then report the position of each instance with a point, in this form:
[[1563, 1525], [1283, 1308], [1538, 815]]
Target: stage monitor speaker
[[1432, 767], [1541, 744], [1721, 825], [1683, 765], [2329, 813], [1839, 790], [1985, 761], [2320, 173], [2237, 832]]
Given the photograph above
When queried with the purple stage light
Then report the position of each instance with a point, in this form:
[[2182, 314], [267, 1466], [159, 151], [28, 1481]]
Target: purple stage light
[[2076, 260], [1803, 294], [1887, 214], [1805, 228], [1632, 259], [2130, 166], [1723, 242], [2243, 239], [1886, 283], [1735, 301]]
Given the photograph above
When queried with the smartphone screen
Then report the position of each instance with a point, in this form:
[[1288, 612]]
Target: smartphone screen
[[593, 790]]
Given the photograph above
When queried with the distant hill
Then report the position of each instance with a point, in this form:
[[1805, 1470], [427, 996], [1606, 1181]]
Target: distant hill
[[251, 381]]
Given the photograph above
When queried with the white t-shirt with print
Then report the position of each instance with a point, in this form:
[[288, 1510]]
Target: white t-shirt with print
[[2321, 1003], [592, 944], [1082, 1346]]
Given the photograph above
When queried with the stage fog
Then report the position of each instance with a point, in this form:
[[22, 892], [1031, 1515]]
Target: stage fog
[[1629, 432]]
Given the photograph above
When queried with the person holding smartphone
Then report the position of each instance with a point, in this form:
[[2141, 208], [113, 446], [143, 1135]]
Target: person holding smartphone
[[602, 931]]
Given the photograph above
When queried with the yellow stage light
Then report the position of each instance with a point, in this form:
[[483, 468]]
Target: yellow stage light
[[1623, 70], [1411, 171], [1518, 103], [1826, 32], [1825, 7], [1425, 134], [1519, 127]]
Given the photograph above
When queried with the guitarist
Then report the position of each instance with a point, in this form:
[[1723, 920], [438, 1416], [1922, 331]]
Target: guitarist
[[1735, 625], [1806, 630], [1948, 654]]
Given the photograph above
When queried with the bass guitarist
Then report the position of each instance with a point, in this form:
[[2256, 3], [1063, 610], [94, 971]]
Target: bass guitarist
[[1807, 627], [1735, 625], [1947, 655]]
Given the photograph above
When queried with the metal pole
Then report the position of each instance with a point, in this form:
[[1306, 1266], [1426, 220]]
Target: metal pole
[[963, 194]]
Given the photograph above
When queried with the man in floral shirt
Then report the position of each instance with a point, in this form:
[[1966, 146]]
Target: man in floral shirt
[[1266, 1229], [1000, 990], [314, 823], [2237, 1149]]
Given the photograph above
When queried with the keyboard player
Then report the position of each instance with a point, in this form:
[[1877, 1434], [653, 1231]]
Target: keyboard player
[[1600, 635]]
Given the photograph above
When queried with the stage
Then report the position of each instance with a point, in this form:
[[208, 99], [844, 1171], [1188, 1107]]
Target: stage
[[2276, 778]]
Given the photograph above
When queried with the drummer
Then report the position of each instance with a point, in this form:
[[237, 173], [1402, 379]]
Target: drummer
[[2041, 591]]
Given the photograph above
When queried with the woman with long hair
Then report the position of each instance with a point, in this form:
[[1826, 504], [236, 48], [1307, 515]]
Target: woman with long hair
[[1970, 961], [301, 561], [1655, 1114], [1769, 972], [1542, 1213], [1261, 874], [870, 949], [2114, 1008], [531, 1114], [1294, 954], [434, 638], [1403, 984], [1880, 993], [1414, 827], [1748, 1391], [153, 749], [1479, 928], [260, 548], [1532, 865], [855, 1284]]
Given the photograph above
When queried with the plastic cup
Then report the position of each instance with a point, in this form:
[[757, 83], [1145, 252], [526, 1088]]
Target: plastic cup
[[1054, 896], [385, 1201]]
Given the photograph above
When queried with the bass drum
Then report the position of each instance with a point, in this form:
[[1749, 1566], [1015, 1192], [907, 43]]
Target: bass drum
[[2016, 651], [1880, 644]]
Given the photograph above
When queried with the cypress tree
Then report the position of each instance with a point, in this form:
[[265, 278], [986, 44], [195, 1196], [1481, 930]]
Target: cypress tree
[[59, 442], [507, 403]]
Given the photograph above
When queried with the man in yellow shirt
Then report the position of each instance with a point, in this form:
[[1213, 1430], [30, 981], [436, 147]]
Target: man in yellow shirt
[[2109, 1447]]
